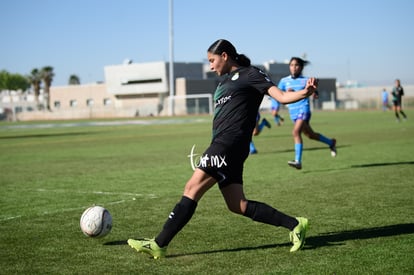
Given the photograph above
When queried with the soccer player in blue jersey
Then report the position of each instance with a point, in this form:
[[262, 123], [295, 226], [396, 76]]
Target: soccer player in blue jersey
[[237, 100], [300, 112], [257, 130], [385, 104], [275, 106]]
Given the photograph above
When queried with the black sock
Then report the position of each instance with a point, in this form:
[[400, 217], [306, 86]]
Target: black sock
[[178, 218], [396, 114], [264, 213], [403, 114]]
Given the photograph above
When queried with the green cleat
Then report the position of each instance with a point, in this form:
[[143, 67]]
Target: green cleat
[[297, 235], [148, 246]]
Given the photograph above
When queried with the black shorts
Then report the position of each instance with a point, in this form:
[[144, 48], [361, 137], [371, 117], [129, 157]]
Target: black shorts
[[224, 163], [396, 103]]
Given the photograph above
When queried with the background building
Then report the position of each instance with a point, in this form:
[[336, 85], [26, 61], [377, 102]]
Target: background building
[[142, 89]]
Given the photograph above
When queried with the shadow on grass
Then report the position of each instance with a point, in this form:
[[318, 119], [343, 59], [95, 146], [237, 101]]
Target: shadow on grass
[[382, 164], [266, 246], [338, 238], [292, 150], [367, 165], [314, 242]]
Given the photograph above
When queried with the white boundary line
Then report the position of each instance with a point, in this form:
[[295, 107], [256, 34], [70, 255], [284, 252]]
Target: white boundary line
[[105, 123], [133, 195], [151, 196]]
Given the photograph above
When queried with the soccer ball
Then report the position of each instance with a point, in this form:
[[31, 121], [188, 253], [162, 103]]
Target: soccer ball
[[96, 221]]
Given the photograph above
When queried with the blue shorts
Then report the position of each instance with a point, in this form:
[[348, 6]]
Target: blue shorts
[[300, 114]]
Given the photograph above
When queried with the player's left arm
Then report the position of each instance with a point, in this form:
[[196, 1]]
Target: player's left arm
[[290, 96]]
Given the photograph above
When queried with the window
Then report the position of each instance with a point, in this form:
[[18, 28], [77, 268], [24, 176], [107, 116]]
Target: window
[[73, 103], [107, 101], [89, 102]]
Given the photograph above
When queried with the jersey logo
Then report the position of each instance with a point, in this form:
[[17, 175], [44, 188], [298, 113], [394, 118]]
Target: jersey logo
[[235, 76], [222, 100]]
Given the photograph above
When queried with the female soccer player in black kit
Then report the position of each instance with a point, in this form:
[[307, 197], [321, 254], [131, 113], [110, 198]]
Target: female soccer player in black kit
[[237, 100], [397, 93]]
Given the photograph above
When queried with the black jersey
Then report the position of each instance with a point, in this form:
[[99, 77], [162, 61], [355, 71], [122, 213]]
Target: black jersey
[[237, 100], [397, 93]]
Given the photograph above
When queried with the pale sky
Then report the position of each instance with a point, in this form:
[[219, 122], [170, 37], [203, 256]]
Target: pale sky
[[368, 41]]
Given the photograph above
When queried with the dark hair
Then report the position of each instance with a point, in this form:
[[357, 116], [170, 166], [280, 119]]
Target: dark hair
[[222, 45], [301, 62]]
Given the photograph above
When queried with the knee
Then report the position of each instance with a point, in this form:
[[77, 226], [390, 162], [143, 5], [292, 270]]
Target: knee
[[238, 208], [193, 191], [235, 210], [312, 136]]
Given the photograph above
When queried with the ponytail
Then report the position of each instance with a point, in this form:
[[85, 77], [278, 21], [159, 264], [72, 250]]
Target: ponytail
[[242, 60]]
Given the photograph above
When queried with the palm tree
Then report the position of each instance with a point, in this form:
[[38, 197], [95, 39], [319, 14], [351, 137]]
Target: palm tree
[[35, 79], [47, 77], [74, 80]]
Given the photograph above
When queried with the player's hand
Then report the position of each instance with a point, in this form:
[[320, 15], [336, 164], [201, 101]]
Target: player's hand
[[311, 85]]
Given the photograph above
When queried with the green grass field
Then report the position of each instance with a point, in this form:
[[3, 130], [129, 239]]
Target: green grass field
[[360, 204]]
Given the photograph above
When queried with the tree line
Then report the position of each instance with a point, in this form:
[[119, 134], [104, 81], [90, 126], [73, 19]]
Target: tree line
[[37, 77]]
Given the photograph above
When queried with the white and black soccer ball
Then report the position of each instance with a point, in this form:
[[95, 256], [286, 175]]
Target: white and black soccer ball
[[96, 222]]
